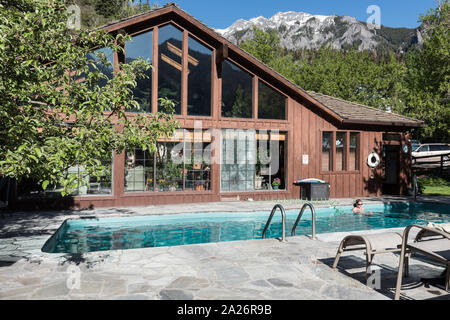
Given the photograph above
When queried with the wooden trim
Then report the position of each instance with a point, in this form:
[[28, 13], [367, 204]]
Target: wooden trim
[[222, 53], [333, 151], [255, 97], [184, 74], [173, 63], [118, 175], [347, 150], [155, 72], [94, 197], [138, 19], [215, 81], [165, 193], [269, 192], [141, 31], [347, 142]]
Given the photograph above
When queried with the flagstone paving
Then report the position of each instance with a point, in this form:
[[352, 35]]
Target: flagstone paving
[[239, 270]]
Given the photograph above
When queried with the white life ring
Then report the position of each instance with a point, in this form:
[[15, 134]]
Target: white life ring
[[373, 160]]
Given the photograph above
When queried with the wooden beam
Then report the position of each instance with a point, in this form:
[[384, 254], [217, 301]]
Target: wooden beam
[[179, 53], [173, 63], [221, 53]]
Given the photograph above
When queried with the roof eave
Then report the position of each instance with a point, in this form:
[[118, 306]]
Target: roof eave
[[385, 123]]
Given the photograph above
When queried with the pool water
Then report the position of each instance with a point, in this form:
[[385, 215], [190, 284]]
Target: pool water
[[87, 235]]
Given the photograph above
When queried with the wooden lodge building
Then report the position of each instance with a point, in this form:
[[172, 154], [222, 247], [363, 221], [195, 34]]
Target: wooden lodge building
[[233, 111]]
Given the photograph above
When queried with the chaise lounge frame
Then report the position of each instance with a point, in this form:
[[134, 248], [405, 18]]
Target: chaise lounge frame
[[437, 249]]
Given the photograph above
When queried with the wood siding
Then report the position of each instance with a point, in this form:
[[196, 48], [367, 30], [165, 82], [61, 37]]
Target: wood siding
[[304, 129], [306, 119]]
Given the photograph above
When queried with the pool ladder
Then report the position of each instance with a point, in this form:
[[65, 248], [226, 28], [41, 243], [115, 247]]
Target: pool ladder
[[283, 221], [313, 213]]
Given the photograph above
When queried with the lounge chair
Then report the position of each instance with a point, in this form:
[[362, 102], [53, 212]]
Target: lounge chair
[[372, 244], [437, 249]]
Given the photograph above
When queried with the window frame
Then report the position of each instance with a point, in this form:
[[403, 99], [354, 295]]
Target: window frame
[[285, 160], [286, 99], [213, 62], [254, 99], [184, 74], [255, 96], [347, 151], [154, 74], [185, 190]]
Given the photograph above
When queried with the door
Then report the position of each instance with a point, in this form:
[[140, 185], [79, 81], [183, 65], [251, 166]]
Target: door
[[391, 161]]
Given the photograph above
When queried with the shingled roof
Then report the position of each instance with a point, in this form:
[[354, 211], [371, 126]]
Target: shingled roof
[[352, 112]]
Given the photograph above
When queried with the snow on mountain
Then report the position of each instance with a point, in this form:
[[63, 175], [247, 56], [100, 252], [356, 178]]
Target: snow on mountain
[[303, 30]]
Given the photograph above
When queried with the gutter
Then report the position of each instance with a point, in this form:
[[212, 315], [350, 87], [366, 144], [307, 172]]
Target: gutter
[[384, 123]]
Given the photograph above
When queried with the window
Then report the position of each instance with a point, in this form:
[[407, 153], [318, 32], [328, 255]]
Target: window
[[237, 84], [340, 151], [139, 171], [391, 137], [425, 148], [197, 160], [90, 184], [199, 79], [142, 46], [169, 166], [353, 159], [170, 44], [84, 184], [435, 148], [252, 160], [438, 147], [94, 58], [238, 169], [180, 163], [271, 103], [327, 156]]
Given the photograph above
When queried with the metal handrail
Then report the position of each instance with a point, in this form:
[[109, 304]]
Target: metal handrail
[[416, 187], [283, 222], [313, 212]]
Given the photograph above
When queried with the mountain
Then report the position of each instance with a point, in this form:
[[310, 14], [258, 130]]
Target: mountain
[[300, 30]]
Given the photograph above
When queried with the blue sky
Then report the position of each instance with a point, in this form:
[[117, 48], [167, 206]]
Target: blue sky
[[222, 13]]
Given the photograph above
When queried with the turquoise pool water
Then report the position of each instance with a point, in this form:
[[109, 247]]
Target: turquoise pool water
[[87, 235]]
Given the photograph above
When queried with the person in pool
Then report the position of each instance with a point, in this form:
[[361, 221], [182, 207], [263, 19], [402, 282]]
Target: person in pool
[[358, 207]]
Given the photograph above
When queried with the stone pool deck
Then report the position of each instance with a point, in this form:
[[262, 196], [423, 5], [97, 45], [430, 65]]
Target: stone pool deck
[[299, 269]]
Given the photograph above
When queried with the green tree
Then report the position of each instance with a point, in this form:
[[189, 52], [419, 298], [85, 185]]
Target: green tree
[[352, 75], [58, 109], [96, 13], [265, 46], [428, 77]]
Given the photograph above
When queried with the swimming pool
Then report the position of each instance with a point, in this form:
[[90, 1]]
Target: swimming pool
[[87, 235]]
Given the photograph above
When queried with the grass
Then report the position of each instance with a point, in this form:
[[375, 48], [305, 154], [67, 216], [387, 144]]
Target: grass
[[435, 186]]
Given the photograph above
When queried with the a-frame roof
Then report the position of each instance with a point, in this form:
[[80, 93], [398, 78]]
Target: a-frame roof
[[343, 112]]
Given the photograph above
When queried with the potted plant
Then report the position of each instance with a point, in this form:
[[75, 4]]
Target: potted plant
[[276, 183]]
